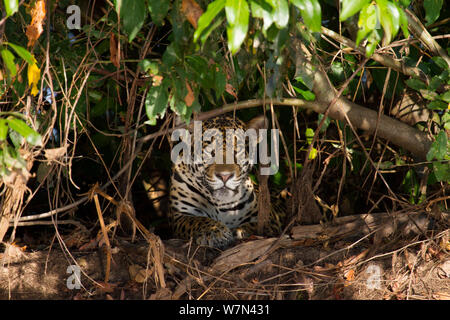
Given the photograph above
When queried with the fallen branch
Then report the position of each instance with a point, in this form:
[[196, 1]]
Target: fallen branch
[[383, 224]]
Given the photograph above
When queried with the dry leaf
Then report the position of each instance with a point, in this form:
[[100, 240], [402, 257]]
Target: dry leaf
[[35, 28], [230, 89], [139, 274], [192, 11], [55, 153], [189, 99], [114, 50], [157, 80], [349, 276], [106, 287], [162, 294]]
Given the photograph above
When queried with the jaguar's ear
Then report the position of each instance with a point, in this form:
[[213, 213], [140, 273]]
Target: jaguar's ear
[[257, 123]]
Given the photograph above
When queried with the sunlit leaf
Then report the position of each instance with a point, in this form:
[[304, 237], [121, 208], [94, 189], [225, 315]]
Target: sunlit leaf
[[307, 95], [23, 53], [11, 7], [213, 9], [367, 22], [34, 74], [403, 21], [237, 17], [351, 7], [264, 12], [309, 133], [386, 20], [311, 13], [3, 129], [313, 154], [281, 13]]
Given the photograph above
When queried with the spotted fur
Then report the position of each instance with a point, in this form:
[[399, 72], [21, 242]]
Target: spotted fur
[[214, 204]]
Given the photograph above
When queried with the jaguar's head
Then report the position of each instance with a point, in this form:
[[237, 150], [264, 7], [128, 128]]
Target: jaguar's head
[[224, 172]]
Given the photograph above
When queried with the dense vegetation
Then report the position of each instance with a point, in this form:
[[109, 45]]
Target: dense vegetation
[[359, 88]]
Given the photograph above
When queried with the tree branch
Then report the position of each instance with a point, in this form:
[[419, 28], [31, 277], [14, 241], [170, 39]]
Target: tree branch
[[421, 33], [382, 59]]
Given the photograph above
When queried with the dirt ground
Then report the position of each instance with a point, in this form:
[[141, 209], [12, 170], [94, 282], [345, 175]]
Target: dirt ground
[[355, 266]]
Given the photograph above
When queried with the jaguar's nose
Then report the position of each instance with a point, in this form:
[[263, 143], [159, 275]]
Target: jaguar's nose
[[224, 176]]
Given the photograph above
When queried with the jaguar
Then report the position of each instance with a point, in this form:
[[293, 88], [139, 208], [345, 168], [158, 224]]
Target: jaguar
[[216, 203]]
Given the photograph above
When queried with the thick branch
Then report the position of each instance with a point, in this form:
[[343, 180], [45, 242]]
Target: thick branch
[[388, 128]]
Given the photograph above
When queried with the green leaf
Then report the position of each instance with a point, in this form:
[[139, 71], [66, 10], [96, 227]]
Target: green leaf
[[432, 10], [237, 16], [326, 122], [8, 59], [405, 3], [133, 15], [148, 66], [220, 82], [156, 102], [438, 148], [415, 84], [389, 19], [440, 62], [263, 11], [394, 13], [446, 120], [25, 131], [435, 83], [309, 133], [213, 9], [351, 7], [442, 171], [158, 10], [3, 129], [23, 53], [11, 7], [428, 94], [411, 185], [281, 13], [366, 22], [445, 96], [311, 13], [313, 154], [307, 95], [403, 21], [437, 105], [373, 40]]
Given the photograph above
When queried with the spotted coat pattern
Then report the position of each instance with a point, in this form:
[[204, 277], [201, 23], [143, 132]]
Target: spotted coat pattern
[[216, 203]]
